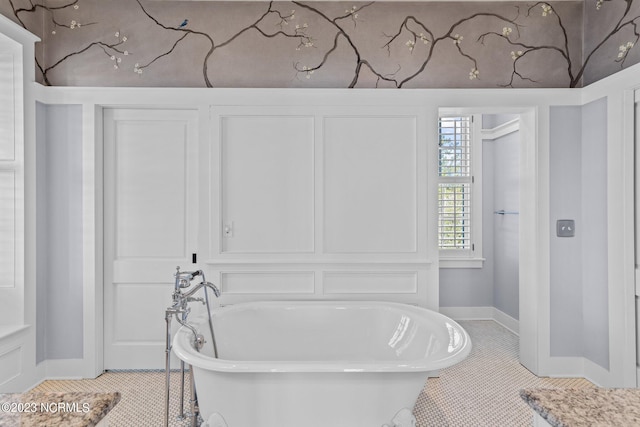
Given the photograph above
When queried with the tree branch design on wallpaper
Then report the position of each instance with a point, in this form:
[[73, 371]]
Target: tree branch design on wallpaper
[[563, 49], [431, 41], [284, 19], [341, 32], [358, 47], [521, 49], [184, 34], [625, 21], [111, 50], [351, 14]]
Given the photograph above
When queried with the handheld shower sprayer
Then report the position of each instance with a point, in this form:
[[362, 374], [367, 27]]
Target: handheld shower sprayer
[[184, 278]]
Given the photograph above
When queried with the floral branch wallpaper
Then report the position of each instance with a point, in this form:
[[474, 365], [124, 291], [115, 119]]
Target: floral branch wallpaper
[[329, 44]]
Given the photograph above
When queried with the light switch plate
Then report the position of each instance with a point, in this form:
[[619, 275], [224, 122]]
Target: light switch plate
[[566, 228]]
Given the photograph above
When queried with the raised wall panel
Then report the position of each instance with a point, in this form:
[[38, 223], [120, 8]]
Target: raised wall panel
[[370, 179], [151, 189], [267, 283], [7, 106], [138, 318], [267, 184], [370, 282], [7, 229], [10, 365]]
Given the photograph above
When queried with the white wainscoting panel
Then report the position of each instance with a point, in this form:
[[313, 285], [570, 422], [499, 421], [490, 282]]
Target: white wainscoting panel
[[374, 282], [139, 319], [10, 364], [255, 282], [267, 165], [319, 202], [370, 184], [7, 229], [150, 189], [7, 107]]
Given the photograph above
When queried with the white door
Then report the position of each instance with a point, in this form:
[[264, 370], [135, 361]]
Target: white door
[[150, 220]]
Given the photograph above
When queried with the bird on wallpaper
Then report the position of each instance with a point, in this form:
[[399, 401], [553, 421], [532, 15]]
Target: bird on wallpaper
[[184, 23]]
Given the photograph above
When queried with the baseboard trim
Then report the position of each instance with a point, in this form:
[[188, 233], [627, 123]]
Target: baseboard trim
[[482, 313], [563, 367], [468, 313], [67, 369], [597, 374], [578, 367], [507, 321]]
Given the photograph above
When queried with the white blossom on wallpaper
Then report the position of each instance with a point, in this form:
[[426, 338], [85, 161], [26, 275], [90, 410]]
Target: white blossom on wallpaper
[[475, 45], [113, 49], [625, 21]]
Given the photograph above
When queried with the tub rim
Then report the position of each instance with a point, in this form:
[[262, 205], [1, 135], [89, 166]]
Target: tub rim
[[184, 350]]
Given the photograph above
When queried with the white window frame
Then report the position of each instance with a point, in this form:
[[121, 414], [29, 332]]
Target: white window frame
[[452, 258]]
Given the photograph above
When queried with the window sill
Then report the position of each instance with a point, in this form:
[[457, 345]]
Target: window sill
[[461, 262]]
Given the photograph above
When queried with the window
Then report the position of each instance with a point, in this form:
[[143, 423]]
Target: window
[[459, 198]]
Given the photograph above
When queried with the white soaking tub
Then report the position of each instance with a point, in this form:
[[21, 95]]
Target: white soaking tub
[[319, 364]]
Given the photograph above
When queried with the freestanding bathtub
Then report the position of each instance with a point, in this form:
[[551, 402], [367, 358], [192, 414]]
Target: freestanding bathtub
[[318, 364]]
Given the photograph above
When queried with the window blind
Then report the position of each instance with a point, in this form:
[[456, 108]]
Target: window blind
[[455, 184]]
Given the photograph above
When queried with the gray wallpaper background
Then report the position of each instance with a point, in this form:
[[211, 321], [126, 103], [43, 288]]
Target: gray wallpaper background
[[329, 44], [611, 32]]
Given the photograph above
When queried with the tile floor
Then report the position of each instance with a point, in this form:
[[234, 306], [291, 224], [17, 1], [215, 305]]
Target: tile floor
[[480, 391]]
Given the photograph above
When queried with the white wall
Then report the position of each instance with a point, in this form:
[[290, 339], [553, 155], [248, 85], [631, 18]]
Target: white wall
[[42, 232], [506, 230], [578, 173], [59, 285], [595, 236], [565, 157]]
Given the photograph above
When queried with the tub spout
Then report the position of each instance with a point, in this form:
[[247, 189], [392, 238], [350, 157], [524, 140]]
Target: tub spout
[[215, 289], [209, 285]]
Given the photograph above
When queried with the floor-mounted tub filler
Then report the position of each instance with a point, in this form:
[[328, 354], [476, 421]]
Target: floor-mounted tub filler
[[318, 364]]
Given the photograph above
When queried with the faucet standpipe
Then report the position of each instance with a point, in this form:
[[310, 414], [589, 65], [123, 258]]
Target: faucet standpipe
[[181, 310]]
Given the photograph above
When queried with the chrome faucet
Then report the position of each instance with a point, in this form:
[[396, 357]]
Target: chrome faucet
[[184, 278], [180, 306], [180, 310], [199, 286]]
